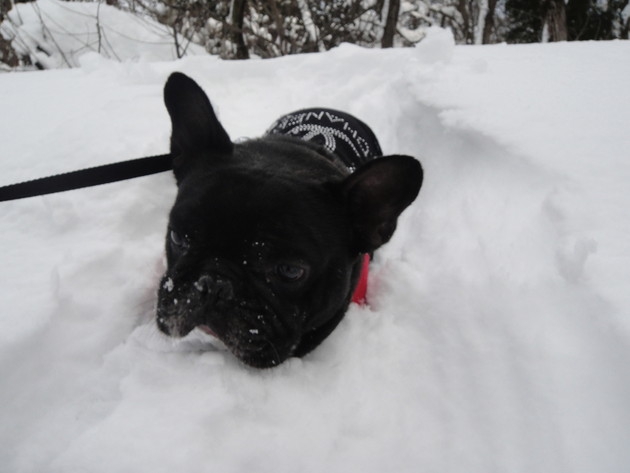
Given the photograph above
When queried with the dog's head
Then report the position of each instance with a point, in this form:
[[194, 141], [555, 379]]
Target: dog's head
[[265, 237]]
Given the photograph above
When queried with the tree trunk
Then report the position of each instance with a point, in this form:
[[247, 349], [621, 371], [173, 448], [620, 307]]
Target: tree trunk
[[468, 22], [556, 20], [238, 14], [482, 16], [489, 23], [5, 7], [391, 21]]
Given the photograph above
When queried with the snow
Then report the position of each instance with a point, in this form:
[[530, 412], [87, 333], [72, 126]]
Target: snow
[[497, 335], [58, 34]]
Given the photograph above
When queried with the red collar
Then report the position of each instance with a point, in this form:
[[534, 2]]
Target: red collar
[[359, 295]]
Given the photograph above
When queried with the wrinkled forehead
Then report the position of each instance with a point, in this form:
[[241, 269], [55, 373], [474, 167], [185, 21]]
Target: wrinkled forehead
[[238, 210]]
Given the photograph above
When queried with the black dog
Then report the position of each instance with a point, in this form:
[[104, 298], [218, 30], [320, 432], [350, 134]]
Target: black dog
[[266, 238]]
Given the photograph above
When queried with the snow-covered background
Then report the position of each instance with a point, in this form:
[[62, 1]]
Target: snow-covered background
[[497, 338], [57, 34]]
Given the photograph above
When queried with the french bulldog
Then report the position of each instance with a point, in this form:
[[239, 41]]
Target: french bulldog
[[266, 238]]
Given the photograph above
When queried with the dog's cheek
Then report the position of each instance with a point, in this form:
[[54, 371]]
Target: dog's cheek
[[327, 295]]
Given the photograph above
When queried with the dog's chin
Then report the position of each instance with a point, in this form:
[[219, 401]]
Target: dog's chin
[[261, 358], [255, 350], [253, 344]]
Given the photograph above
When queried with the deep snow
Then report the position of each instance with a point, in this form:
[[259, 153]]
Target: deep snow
[[497, 338]]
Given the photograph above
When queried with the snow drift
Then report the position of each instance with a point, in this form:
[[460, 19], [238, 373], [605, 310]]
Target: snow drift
[[497, 336]]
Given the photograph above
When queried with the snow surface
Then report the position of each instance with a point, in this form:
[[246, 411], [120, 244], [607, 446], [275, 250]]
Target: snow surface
[[497, 338]]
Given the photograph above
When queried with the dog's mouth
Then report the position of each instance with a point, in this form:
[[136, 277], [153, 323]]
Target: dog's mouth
[[254, 346], [252, 343], [208, 330]]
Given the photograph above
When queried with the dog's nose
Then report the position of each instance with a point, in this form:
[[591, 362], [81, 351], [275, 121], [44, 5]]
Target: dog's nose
[[217, 286]]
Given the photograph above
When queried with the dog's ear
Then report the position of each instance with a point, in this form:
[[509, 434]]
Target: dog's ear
[[196, 128], [375, 196]]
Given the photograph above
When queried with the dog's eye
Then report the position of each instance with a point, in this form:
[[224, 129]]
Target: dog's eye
[[290, 272], [178, 240]]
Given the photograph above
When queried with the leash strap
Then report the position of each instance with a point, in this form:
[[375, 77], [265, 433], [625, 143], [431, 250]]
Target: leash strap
[[88, 177]]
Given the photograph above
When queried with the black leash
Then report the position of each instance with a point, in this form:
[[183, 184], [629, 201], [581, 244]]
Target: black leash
[[88, 177]]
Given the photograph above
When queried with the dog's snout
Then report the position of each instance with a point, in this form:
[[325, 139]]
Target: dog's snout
[[217, 286]]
